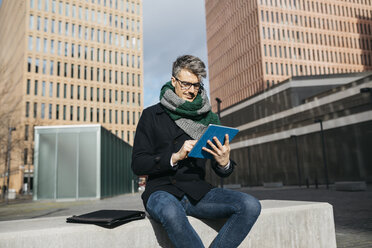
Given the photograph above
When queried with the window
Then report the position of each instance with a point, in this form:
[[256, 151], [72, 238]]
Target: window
[[67, 9], [36, 65], [38, 23], [45, 45], [27, 111], [64, 90], [35, 110], [45, 24], [66, 29], [50, 111], [52, 46], [31, 22], [57, 90], [43, 88], [29, 64], [57, 112], [53, 6], [28, 86], [42, 110], [38, 44], [30, 43], [71, 113], [35, 88], [50, 89], [71, 91]]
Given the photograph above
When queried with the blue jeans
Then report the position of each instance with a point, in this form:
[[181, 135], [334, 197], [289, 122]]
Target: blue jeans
[[242, 211]]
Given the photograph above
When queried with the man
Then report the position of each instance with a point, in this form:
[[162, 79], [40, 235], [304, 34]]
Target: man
[[165, 135]]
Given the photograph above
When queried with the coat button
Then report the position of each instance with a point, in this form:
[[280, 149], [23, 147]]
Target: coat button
[[157, 159]]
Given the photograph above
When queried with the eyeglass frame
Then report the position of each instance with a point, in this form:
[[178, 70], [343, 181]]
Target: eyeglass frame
[[182, 83]]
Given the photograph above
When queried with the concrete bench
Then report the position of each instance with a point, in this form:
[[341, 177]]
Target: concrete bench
[[281, 224]]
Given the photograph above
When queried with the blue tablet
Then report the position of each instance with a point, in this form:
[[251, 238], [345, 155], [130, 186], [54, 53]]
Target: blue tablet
[[212, 131]]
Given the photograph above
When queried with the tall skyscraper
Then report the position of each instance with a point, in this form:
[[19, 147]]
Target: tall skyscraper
[[253, 45], [65, 62]]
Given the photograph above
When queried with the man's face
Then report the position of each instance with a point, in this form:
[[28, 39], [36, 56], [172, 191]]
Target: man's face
[[189, 77]]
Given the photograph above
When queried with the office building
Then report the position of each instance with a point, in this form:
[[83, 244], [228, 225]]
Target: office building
[[306, 129], [253, 45], [68, 62]]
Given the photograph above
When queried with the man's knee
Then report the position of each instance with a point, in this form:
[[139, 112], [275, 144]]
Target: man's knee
[[251, 206]]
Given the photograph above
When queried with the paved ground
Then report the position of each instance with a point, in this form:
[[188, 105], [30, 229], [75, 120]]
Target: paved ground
[[352, 210]]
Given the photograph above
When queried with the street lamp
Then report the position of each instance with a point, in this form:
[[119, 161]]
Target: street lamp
[[298, 161], [324, 151], [219, 117], [9, 148]]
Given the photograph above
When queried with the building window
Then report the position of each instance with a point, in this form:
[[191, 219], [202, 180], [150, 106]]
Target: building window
[[43, 88], [28, 86], [45, 24], [35, 88], [38, 23], [50, 89], [64, 112], [25, 154], [29, 64], [27, 111], [71, 91], [52, 46], [57, 90], [44, 66], [38, 44], [85, 114], [31, 22], [51, 67], [35, 110], [36, 65], [71, 113], [42, 110], [64, 91], [78, 113], [57, 112]]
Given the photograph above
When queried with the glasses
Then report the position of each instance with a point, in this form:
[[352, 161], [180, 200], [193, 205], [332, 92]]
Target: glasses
[[187, 85]]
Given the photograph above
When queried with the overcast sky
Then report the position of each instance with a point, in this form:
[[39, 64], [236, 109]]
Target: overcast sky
[[170, 28]]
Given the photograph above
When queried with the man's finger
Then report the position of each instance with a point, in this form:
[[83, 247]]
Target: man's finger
[[227, 142], [209, 151], [212, 145], [217, 142]]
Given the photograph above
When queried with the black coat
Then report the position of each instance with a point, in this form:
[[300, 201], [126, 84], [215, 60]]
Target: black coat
[[157, 138]]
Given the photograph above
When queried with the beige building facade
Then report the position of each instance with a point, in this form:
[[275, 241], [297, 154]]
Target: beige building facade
[[253, 45], [68, 62]]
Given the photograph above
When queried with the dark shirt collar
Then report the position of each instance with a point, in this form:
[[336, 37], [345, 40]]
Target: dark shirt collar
[[159, 109]]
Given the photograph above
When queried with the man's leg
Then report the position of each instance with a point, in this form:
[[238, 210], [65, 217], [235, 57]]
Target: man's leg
[[242, 211], [169, 211]]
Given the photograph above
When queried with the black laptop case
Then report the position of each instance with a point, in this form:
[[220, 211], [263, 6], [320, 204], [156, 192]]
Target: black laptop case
[[107, 218]]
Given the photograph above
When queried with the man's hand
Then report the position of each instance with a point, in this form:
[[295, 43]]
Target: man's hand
[[184, 151], [221, 153]]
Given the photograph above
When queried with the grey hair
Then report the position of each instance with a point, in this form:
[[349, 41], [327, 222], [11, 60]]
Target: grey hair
[[190, 63]]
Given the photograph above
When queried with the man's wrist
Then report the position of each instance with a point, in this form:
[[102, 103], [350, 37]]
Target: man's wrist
[[174, 159]]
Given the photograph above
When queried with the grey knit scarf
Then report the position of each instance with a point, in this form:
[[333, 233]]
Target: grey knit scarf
[[192, 117]]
